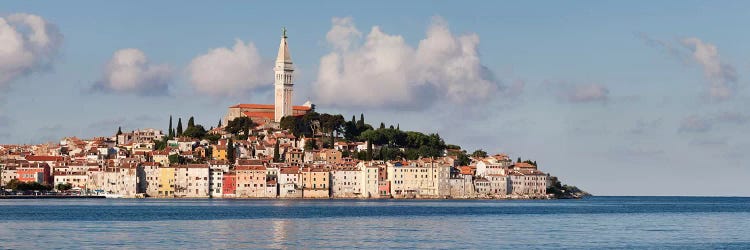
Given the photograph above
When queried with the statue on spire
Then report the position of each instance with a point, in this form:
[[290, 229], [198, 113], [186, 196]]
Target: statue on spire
[[283, 32]]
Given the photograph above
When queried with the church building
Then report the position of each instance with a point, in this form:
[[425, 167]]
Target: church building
[[283, 90]]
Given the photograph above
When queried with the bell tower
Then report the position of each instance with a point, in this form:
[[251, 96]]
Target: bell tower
[[283, 83]]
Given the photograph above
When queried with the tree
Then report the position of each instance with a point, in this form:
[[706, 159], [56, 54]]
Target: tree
[[219, 126], [463, 159], [369, 150], [119, 132], [241, 124], [171, 130], [276, 153], [519, 160], [174, 159], [63, 186], [191, 122], [179, 127], [196, 131], [230, 151], [479, 153], [382, 125], [161, 145]]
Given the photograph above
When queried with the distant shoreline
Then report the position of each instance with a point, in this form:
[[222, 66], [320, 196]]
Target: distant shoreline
[[28, 197]]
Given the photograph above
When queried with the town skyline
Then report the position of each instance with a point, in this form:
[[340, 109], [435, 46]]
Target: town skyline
[[622, 100]]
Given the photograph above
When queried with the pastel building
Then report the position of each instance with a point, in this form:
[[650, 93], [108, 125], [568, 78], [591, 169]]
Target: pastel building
[[315, 183], [191, 180]]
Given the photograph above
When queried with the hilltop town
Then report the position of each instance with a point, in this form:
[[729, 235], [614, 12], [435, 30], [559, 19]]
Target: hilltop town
[[273, 151]]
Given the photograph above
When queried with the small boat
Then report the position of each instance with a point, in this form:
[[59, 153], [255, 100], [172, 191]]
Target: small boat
[[113, 196]]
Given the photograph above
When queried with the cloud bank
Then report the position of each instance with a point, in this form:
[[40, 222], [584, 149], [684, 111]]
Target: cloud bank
[[129, 71], [721, 76], [578, 93], [230, 71], [28, 43], [702, 124], [385, 71]]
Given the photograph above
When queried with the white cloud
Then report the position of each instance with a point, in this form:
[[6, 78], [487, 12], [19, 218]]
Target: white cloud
[[588, 93], [384, 71], [230, 71], [27, 43], [129, 71], [722, 77], [343, 33], [578, 93]]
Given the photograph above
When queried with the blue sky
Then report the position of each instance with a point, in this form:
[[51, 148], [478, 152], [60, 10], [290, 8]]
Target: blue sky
[[617, 98]]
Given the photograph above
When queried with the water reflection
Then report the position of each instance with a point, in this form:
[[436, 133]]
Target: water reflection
[[320, 224]]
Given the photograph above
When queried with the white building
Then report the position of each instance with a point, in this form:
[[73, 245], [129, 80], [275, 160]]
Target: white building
[[345, 184], [191, 180]]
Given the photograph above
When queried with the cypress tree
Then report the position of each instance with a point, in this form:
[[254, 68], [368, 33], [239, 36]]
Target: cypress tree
[[382, 125], [219, 126], [230, 151], [179, 127], [369, 150], [191, 122], [276, 154], [171, 130]]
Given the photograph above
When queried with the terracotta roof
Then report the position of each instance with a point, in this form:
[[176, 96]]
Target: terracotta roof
[[44, 158], [250, 167], [266, 115], [266, 106]]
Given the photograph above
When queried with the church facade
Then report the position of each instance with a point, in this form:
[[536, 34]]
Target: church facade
[[283, 91]]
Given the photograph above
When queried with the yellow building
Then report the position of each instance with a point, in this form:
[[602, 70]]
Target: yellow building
[[315, 183], [220, 152], [166, 181]]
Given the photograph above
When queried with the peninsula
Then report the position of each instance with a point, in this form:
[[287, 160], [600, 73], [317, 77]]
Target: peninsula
[[273, 151]]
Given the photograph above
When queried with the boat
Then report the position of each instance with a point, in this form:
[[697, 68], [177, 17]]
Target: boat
[[113, 196]]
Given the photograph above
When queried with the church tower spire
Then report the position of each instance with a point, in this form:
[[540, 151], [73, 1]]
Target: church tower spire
[[283, 81]]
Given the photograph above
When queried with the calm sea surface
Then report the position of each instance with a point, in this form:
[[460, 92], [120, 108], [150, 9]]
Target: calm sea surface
[[598, 222]]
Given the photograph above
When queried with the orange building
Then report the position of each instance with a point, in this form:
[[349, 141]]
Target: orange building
[[34, 172]]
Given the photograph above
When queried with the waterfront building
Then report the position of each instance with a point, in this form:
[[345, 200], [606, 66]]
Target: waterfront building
[[229, 184], [499, 184], [370, 179], [76, 179], [425, 178], [528, 182], [151, 174], [34, 172], [290, 182], [462, 184], [315, 182], [482, 186], [251, 181], [191, 180], [384, 184], [166, 181], [345, 184]]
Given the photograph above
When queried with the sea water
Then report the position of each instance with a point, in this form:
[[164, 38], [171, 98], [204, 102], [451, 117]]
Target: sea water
[[595, 222]]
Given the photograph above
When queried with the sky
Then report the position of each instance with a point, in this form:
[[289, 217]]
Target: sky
[[613, 97]]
